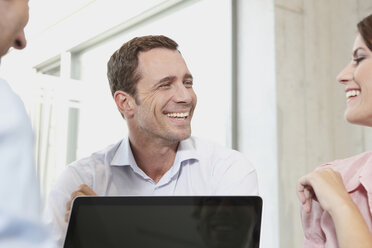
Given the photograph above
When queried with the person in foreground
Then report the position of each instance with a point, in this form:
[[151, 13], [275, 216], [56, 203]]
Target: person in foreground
[[153, 90], [341, 216], [20, 207]]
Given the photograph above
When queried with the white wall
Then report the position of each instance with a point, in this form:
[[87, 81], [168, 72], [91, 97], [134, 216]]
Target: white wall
[[256, 108]]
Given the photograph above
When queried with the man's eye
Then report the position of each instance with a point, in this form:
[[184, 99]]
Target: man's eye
[[166, 85], [188, 83]]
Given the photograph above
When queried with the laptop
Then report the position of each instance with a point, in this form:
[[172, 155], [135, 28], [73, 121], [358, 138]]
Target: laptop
[[165, 222]]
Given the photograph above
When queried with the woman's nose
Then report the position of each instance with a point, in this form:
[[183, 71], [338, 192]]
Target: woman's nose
[[346, 75]]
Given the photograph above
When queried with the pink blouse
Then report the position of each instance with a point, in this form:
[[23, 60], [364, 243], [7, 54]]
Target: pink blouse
[[356, 172]]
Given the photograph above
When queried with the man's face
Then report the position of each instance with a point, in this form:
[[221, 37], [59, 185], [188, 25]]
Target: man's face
[[165, 97], [13, 18]]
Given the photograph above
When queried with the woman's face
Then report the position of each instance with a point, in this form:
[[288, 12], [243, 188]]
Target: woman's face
[[357, 78]]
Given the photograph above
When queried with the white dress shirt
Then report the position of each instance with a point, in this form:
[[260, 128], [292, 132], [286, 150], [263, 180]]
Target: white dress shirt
[[200, 168], [20, 220]]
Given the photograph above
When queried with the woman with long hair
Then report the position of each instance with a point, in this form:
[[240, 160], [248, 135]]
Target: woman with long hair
[[337, 197]]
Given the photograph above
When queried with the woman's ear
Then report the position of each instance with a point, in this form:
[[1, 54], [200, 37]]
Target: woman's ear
[[125, 103]]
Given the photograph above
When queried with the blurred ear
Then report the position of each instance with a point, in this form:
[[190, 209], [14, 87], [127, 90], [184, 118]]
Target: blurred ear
[[125, 103]]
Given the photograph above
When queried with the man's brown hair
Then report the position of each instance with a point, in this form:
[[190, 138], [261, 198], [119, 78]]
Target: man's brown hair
[[122, 67]]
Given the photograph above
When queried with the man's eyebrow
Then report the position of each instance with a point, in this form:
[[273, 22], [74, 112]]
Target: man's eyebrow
[[188, 76], [172, 78], [167, 79]]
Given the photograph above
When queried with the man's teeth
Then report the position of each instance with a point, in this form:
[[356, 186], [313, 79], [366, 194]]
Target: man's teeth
[[351, 93], [178, 115]]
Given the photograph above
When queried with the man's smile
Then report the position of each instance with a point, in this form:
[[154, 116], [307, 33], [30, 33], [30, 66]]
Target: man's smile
[[178, 115]]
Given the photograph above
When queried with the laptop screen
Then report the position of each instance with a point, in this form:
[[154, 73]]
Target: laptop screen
[[166, 221]]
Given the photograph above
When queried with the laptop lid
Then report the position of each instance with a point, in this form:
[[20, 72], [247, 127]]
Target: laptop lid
[[165, 221]]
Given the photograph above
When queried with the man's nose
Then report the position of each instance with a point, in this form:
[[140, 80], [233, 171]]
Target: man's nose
[[20, 41], [183, 93]]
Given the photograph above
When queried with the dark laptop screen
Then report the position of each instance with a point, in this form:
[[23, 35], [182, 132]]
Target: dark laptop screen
[[174, 222]]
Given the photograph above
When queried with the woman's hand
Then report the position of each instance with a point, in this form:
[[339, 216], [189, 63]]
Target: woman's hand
[[326, 187]]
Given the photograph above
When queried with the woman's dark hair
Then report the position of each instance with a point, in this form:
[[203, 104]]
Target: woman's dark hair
[[365, 30]]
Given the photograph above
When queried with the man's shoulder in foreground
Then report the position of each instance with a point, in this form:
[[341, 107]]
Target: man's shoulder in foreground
[[12, 110], [20, 226]]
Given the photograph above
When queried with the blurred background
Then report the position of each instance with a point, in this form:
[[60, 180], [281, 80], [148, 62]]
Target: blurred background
[[264, 74]]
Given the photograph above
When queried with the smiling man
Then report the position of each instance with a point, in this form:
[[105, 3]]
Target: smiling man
[[153, 90]]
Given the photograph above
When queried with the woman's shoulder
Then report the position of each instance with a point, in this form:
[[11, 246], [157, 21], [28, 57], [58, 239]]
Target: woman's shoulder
[[360, 159], [352, 169]]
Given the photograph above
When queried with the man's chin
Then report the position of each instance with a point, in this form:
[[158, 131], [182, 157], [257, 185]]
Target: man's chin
[[185, 135], [179, 137]]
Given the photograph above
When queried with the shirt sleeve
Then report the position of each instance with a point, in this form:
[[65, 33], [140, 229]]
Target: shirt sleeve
[[311, 223], [67, 182], [235, 175], [20, 208]]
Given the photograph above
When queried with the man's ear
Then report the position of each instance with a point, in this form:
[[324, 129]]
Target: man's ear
[[125, 103]]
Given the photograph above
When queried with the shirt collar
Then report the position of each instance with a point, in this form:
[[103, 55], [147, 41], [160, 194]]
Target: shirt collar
[[355, 171], [187, 150], [124, 156], [366, 174]]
